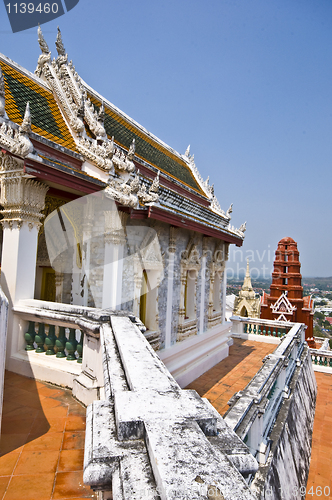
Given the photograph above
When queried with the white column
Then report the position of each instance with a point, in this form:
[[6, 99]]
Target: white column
[[224, 286], [112, 279], [22, 199], [224, 283], [202, 309], [115, 239], [169, 308]]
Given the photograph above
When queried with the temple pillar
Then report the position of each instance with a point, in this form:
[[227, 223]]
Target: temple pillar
[[115, 240], [22, 200], [224, 284], [170, 273]]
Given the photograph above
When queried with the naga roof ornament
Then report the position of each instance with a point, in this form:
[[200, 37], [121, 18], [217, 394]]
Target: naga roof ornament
[[26, 124], [59, 44]]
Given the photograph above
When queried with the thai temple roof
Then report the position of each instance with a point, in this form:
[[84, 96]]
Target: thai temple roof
[[72, 132], [22, 86]]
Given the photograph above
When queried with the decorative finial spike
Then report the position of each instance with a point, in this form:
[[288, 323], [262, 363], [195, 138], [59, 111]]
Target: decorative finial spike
[[131, 151], [42, 42], [2, 84], [187, 153], [229, 211], [26, 124], [101, 114], [59, 44]]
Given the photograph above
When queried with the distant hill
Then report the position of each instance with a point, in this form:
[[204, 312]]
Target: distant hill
[[260, 284]]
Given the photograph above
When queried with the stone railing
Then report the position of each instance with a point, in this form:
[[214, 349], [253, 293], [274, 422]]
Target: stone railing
[[3, 339], [149, 438], [250, 328], [62, 343], [274, 416], [253, 411], [322, 356]]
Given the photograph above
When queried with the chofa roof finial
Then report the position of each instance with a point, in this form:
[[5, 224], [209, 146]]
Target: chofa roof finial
[[26, 124], [42, 42], [59, 44]]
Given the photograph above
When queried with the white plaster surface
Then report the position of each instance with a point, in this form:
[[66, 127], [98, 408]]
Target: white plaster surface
[[3, 340], [189, 359], [151, 435]]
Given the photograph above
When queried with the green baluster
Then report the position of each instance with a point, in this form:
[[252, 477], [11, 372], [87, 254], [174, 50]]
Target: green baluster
[[259, 330], [316, 360], [71, 345], [255, 330], [245, 328], [269, 331], [60, 343], [274, 332], [30, 336], [79, 349], [264, 330], [320, 360], [40, 338], [279, 332], [50, 340], [325, 361], [250, 328], [330, 362]]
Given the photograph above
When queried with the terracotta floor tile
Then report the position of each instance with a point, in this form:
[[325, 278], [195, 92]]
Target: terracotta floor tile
[[50, 392], [16, 425], [43, 425], [71, 460], [73, 440], [51, 441], [75, 423], [50, 403], [70, 485], [10, 406], [3, 484], [30, 487], [10, 442], [77, 410], [37, 462], [8, 462]]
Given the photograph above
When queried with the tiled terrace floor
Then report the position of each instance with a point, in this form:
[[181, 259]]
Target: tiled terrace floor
[[233, 373], [41, 445], [320, 473], [42, 441]]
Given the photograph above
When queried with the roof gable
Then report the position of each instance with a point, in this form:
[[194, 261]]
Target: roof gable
[[46, 118]]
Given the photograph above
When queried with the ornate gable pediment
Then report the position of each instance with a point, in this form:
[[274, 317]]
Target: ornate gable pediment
[[283, 307]]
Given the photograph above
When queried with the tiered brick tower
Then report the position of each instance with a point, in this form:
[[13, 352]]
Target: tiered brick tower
[[286, 301]]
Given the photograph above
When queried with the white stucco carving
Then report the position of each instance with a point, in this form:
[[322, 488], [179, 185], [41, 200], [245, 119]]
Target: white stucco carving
[[22, 199], [16, 140]]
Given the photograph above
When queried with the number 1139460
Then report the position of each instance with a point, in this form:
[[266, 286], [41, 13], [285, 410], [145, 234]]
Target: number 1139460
[[303, 492]]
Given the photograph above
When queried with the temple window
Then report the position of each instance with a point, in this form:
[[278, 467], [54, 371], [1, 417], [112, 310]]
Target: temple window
[[148, 300], [189, 297]]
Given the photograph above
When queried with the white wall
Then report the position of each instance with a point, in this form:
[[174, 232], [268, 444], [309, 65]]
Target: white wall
[[3, 340]]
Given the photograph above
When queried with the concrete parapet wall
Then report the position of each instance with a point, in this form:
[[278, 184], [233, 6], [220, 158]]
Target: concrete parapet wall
[[3, 340], [286, 470], [150, 439]]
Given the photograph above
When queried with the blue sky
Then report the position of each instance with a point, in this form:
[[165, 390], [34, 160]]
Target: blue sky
[[246, 82]]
